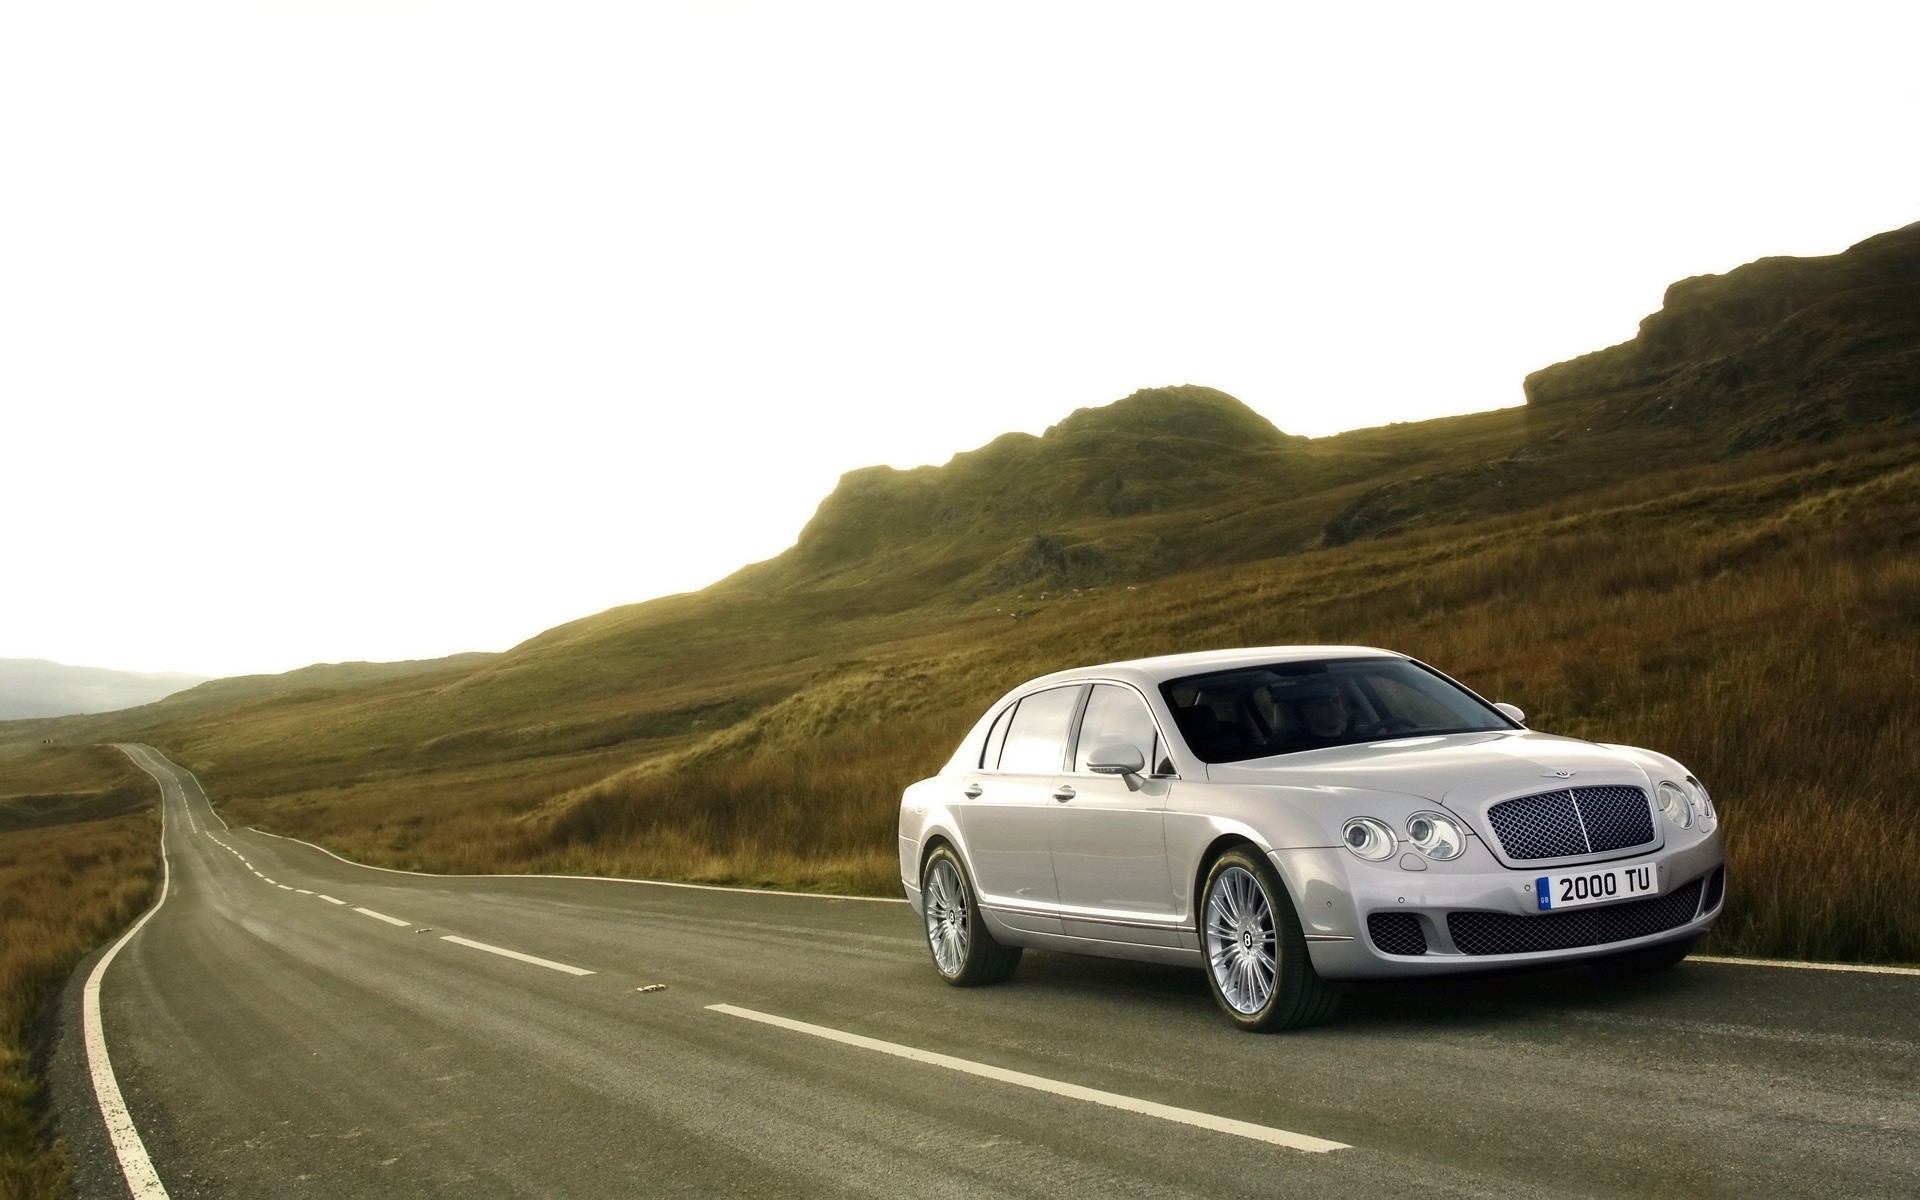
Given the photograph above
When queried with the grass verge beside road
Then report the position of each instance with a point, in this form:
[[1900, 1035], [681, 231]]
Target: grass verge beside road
[[79, 859], [1756, 620]]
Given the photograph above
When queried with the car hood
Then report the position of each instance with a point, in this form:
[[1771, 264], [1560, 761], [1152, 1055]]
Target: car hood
[[1462, 771]]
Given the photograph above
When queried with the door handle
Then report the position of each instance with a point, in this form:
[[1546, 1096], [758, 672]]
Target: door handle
[[971, 791], [1064, 793]]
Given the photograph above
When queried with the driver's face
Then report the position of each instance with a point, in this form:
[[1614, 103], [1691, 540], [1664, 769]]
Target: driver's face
[[1327, 713]]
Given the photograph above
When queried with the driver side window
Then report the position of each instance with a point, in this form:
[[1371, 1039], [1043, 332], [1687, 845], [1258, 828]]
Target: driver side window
[[1114, 715]]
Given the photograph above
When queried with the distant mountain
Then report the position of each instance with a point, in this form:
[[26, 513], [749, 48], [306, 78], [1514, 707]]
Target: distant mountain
[[1077, 506], [33, 687], [319, 680]]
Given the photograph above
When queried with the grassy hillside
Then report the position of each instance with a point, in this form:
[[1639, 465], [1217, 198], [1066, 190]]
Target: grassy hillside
[[1758, 619], [79, 857], [1749, 605], [1779, 350]]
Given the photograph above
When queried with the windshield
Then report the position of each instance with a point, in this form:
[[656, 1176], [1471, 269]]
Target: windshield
[[1256, 712]]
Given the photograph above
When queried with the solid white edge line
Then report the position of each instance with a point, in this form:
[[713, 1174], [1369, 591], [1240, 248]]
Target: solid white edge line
[[1149, 1108], [1849, 968], [665, 883], [548, 963], [384, 917], [142, 1180]]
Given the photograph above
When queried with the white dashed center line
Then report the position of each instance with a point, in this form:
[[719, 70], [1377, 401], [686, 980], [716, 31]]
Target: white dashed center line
[[330, 899], [548, 963], [1166, 1112], [383, 917]]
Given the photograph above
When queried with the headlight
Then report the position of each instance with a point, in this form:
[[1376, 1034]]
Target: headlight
[[1703, 814], [1673, 802], [1436, 835], [1370, 839]]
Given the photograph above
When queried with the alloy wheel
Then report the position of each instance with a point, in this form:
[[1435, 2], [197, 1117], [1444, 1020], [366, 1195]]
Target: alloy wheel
[[1242, 941]]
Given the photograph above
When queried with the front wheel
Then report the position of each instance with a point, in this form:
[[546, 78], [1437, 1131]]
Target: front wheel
[[964, 950], [1257, 964]]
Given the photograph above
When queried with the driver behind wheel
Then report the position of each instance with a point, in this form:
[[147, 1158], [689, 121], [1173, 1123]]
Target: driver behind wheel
[[1324, 711]]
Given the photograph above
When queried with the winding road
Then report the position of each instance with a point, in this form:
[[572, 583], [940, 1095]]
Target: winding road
[[287, 1023]]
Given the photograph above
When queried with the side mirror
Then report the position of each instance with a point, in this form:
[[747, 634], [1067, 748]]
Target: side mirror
[[1513, 712], [1123, 759]]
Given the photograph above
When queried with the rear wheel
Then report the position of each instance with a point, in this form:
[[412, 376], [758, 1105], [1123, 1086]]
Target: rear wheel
[[1257, 964], [964, 950]]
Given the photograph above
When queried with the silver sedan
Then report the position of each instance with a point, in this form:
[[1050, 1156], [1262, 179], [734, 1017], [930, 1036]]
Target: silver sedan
[[1292, 817]]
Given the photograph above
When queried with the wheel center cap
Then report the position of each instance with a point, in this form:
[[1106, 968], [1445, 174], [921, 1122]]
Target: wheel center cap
[[1246, 938]]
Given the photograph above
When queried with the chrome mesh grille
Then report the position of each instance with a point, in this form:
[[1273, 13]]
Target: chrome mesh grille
[[1505, 933], [1397, 933], [1572, 821]]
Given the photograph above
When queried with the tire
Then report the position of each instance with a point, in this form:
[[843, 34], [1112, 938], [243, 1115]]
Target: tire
[[1255, 951], [964, 950], [1641, 962]]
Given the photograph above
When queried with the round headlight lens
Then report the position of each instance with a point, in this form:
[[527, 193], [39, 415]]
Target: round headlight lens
[[1673, 802], [1703, 812], [1370, 839], [1436, 835]]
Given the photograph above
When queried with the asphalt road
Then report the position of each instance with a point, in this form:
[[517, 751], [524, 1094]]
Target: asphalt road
[[288, 1024]]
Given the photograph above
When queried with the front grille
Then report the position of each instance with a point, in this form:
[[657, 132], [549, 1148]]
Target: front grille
[[1572, 822], [1397, 933], [1505, 933], [1716, 889]]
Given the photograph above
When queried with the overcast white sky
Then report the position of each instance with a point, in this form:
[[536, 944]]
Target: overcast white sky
[[386, 330]]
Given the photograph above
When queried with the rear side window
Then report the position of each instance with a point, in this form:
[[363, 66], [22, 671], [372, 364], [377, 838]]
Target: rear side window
[[1036, 742], [996, 738]]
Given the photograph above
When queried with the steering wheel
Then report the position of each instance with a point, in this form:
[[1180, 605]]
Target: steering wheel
[[1388, 725]]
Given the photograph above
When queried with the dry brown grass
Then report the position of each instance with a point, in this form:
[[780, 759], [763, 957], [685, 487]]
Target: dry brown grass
[[67, 885], [1757, 619]]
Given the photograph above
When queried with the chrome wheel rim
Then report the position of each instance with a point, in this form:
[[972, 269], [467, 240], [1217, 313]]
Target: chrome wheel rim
[[946, 905], [1241, 941]]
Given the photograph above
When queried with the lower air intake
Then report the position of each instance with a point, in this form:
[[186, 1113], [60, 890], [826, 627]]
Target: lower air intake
[[1397, 933], [1505, 933]]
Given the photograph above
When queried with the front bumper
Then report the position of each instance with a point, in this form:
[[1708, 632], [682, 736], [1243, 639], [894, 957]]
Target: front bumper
[[1383, 921]]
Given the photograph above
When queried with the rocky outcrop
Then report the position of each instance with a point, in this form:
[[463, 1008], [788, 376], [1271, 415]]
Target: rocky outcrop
[[1778, 350]]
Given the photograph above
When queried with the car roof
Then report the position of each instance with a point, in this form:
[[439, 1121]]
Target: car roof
[[1151, 672]]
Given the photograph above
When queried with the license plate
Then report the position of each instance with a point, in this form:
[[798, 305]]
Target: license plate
[[1575, 889]]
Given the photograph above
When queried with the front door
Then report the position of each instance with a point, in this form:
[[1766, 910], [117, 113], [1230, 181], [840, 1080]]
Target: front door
[[1109, 841], [1005, 808]]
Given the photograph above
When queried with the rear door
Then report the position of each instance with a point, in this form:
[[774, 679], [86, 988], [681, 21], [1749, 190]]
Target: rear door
[[1006, 804]]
